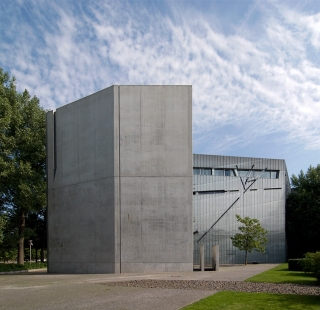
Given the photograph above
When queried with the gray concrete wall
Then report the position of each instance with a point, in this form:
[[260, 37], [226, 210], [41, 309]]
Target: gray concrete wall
[[119, 181], [156, 178], [81, 186]]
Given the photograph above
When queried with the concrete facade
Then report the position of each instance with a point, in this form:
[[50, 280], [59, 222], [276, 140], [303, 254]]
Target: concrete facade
[[119, 167], [223, 186]]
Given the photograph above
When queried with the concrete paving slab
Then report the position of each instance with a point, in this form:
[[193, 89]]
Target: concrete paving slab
[[40, 290]]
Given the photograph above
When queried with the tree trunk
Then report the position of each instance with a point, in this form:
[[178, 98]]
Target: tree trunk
[[21, 239], [246, 258]]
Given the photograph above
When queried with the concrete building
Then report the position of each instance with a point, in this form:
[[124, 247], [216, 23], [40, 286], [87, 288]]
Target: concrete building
[[224, 186], [119, 167]]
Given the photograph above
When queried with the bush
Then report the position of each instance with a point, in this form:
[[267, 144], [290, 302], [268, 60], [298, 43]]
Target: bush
[[311, 263], [15, 267], [295, 264]]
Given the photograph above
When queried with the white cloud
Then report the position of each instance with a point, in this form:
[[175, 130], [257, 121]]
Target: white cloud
[[257, 86]]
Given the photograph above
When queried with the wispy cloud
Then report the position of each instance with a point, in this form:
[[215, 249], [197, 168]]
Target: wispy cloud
[[256, 85]]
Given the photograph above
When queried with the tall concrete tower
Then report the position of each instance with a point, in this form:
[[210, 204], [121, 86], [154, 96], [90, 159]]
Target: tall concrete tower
[[119, 167]]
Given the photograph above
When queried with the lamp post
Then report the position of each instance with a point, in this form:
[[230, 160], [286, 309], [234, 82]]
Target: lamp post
[[30, 244]]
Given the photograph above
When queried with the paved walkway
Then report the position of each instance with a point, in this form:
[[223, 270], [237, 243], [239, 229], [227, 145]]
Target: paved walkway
[[39, 290]]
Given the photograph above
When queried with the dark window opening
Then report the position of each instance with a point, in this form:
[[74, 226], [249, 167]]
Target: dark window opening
[[202, 171], [218, 172], [268, 174], [209, 192], [222, 191], [224, 172]]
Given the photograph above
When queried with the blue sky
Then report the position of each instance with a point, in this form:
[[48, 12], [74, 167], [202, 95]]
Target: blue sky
[[254, 65]]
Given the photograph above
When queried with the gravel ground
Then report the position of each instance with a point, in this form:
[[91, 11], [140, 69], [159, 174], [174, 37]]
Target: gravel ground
[[221, 286]]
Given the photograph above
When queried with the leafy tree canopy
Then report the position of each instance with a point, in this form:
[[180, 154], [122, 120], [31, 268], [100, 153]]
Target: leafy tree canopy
[[303, 213], [252, 236], [22, 155], [2, 227]]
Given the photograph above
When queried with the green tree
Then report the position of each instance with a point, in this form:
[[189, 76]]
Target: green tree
[[8, 247], [2, 227], [38, 232], [303, 213], [22, 156], [252, 236]]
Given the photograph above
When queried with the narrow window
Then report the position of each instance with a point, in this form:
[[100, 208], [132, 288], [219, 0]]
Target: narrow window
[[206, 171], [196, 171], [229, 173], [266, 175], [212, 192], [218, 172], [243, 173]]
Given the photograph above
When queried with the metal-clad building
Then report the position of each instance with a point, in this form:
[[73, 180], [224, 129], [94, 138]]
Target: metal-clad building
[[224, 186]]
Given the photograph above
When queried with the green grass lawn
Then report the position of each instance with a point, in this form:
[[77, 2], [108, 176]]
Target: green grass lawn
[[256, 301], [261, 301], [281, 274], [15, 267]]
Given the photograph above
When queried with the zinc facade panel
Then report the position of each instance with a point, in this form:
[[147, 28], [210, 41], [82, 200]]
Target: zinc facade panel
[[264, 200]]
